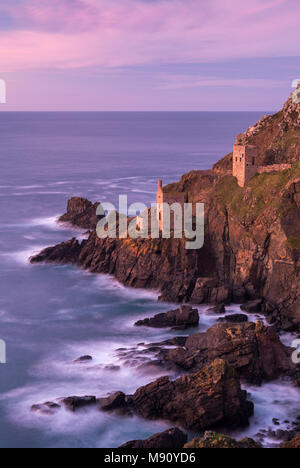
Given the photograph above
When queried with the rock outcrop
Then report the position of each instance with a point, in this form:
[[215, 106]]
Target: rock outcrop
[[209, 398], [252, 244], [81, 213], [255, 351], [170, 439], [182, 318]]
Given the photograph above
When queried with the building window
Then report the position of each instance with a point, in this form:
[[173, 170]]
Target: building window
[[253, 161]]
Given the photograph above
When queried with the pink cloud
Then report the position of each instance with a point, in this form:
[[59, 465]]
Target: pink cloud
[[79, 33]]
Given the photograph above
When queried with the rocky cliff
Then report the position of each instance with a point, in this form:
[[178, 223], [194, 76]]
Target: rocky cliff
[[252, 234]]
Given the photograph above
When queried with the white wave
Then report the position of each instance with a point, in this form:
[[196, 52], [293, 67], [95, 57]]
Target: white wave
[[23, 256]]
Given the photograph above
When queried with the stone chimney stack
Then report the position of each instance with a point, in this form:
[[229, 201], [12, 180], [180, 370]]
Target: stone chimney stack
[[160, 184]]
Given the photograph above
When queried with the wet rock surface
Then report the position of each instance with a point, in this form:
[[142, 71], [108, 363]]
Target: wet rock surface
[[234, 318], [74, 403], [210, 397], [182, 318], [48, 408], [254, 350], [170, 439]]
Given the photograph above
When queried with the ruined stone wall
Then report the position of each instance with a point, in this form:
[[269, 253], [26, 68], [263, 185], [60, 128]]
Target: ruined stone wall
[[274, 168]]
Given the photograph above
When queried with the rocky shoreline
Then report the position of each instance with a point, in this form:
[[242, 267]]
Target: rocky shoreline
[[251, 256]]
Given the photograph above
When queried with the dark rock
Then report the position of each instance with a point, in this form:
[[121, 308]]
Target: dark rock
[[112, 368], [66, 252], [210, 397], [115, 403], [181, 318], [253, 306], [47, 408], [74, 403], [170, 439], [218, 309], [219, 441], [254, 350], [234, 318], [83, 359], [81, 213]]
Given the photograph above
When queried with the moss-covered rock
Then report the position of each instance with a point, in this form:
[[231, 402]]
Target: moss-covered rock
[[215, 440]]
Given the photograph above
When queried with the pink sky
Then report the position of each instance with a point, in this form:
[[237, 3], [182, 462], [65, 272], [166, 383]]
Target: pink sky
[[68, 42]]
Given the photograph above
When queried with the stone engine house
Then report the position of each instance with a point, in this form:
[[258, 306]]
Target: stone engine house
[[168, 198], [244, 163]]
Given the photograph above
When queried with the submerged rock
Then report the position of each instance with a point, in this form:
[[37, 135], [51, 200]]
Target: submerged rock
[[48, 408], [181, 318], [214, 440], [234, 318], [210, 397], [74, 403], [170, 439], [83, 359]]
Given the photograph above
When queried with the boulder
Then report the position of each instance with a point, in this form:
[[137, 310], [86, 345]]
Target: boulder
[[170, 439], [210, 397], [213, 440], [253, 307], [218, 309], [181, 318], [74, 403], [116, 402]]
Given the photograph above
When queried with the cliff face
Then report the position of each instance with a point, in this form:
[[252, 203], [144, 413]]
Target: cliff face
[[277, 138], [252, 234]]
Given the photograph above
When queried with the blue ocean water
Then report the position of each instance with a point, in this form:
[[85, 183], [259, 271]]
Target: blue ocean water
[[51, 315]]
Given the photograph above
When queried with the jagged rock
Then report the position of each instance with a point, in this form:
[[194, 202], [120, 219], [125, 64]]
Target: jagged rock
[[83, 359], [213, 440], [253, 307], [66, 252], [294, 443], [254, 350], [81, 213], [181, 318], [234, 318], [170, 439], [209, 397], [74, 403], [115, 403], [48, 408]]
